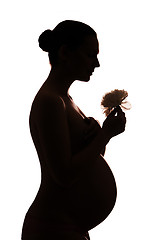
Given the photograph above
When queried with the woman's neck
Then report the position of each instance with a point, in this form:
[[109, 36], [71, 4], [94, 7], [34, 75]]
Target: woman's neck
[[59, 80]]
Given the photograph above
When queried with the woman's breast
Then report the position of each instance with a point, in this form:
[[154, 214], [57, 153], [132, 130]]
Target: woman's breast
[[93, 196]]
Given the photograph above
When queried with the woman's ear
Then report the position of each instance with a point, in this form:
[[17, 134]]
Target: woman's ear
[[64, 53]]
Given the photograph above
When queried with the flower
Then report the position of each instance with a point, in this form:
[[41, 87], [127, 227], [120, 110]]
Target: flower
[[113, 99]]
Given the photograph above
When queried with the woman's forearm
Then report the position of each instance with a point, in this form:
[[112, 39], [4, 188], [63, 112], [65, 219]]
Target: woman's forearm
[[86, 157]]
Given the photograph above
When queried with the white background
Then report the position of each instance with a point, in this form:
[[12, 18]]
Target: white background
[[129, 37]]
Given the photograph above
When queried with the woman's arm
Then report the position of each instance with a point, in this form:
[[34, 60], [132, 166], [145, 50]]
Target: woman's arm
[[49, 117], [93, 129], [86, 157], [112, 126], [53, 133]]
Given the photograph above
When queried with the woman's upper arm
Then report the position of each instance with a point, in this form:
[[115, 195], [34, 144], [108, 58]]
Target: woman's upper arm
[[53, 133]]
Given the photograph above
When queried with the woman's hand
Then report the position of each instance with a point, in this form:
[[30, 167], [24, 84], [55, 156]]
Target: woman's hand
[[115, 123]]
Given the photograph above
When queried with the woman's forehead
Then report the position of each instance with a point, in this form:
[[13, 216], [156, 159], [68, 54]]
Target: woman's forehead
[[91, 43]]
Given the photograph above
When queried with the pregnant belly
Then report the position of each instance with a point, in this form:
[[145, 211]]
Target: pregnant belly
[[93, 196]]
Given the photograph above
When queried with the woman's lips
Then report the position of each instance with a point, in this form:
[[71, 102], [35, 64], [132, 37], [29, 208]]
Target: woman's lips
[[91, 72]]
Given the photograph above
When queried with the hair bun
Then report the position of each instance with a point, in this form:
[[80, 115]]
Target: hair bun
[[45, 40]]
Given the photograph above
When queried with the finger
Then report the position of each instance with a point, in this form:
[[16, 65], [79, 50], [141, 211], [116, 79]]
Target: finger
[[120, 112], [119, 109], [113, 112], [116, 109]]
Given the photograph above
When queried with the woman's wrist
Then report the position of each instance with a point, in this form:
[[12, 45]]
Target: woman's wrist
[[105, 137]]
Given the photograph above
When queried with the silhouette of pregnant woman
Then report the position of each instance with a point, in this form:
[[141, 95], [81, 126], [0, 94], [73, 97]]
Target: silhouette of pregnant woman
[[77, 190]]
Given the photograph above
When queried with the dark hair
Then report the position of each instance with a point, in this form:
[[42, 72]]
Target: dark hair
[[69, 32]]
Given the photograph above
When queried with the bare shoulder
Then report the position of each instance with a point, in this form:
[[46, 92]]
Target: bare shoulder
[[46, 102], [48, 98]]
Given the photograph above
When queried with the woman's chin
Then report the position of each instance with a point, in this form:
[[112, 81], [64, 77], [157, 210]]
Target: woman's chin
[[84, 78]]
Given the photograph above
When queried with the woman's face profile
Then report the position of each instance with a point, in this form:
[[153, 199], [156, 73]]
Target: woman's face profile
[[84, 59]]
